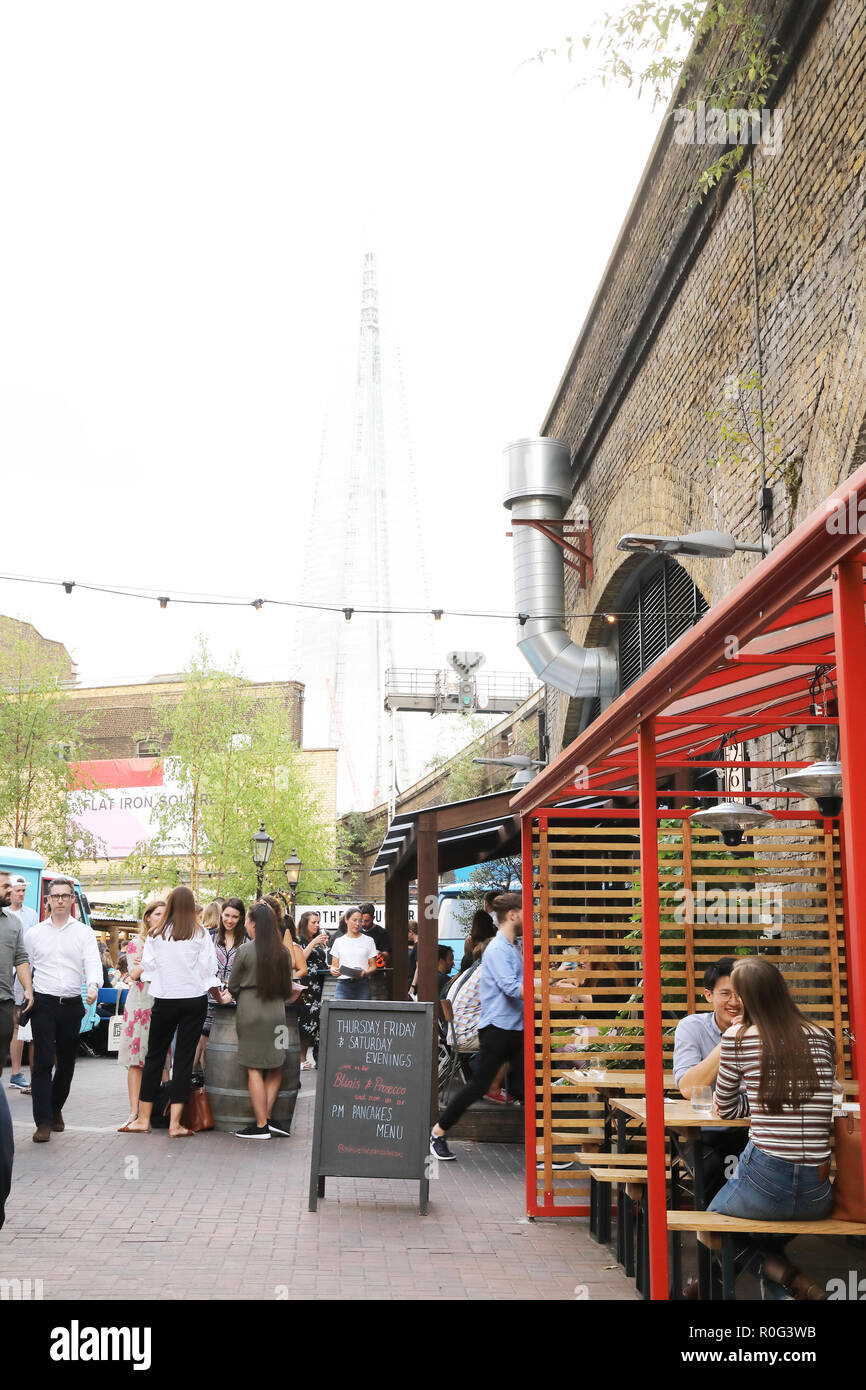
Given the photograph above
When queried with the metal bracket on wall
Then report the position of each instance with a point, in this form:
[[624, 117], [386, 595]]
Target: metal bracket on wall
[[562, 538]]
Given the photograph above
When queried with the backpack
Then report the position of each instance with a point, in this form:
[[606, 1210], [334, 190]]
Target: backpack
[[466, 1003]]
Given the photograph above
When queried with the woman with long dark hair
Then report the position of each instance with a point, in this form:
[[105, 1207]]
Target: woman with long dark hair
[[261, 981], [482, 930], [312, 943], [786, 1064], [179, 962], [229, 934]]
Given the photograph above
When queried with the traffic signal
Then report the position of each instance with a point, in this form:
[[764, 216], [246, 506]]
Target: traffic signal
[[466, 696]]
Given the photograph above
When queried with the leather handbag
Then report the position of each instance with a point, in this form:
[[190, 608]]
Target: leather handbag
[[850, 1198], [197, 1114]]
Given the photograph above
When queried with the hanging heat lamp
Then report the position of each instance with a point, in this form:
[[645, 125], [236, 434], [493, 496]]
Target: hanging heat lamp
[[731, 819], [822, 780]]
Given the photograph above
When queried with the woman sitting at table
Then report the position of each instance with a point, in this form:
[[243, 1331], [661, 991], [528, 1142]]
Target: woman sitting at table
[[787, 1065]]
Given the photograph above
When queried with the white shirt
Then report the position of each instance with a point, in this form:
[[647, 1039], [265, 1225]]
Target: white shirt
[[62, 958], [354, 951], [180, 969]]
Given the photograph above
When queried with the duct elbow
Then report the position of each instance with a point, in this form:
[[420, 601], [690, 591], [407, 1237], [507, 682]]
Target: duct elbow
[[539, 489]]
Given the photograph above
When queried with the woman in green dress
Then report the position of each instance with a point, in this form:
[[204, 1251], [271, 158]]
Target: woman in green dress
[[261, 981]]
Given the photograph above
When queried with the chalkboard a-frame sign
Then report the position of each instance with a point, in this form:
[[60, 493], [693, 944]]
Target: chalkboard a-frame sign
[[373, 1093]]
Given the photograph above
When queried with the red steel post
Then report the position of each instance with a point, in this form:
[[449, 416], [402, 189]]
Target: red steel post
[[851, 682], [652, 1006], [528, 1015]]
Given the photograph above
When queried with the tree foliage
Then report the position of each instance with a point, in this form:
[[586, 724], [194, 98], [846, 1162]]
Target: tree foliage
[[232, 756], [39, 732], [719, 49]]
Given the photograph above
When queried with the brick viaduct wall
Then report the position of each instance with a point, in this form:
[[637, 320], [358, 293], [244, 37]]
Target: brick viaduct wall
[[673, 321]]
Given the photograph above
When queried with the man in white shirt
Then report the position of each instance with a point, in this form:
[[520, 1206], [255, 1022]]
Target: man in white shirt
[[64, 955], [28, 918]]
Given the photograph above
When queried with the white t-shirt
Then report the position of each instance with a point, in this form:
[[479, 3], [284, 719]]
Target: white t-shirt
[[354, 951]]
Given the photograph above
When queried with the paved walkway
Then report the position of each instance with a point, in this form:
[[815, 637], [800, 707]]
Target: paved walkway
[[96, 1214]]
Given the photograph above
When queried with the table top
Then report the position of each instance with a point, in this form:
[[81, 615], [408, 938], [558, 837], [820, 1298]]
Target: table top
[[632, 1082], [678, 1114]]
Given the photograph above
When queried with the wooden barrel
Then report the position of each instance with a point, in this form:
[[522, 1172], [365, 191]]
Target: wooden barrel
[[226, 1079]]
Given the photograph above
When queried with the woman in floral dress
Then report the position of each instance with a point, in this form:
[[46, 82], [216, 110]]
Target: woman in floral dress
[[312, 943], [136, 1013]]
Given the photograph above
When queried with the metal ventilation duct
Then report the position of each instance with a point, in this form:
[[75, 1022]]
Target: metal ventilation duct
[[539, 488]]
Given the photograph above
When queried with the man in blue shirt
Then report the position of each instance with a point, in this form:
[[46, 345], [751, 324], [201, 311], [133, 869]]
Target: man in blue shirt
[[500, 1023], [697, 1047]]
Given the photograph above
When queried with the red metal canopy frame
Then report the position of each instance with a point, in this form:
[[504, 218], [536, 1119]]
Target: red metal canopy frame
[[742, 672]]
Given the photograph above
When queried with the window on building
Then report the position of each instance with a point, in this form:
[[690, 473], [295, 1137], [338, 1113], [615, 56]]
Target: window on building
[[148, 748]]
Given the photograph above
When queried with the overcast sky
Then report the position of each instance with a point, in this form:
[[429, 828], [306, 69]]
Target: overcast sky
[[188, 192]]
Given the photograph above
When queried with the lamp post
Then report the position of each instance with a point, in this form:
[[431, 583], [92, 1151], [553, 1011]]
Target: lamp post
[[262, 844], [293, 867]]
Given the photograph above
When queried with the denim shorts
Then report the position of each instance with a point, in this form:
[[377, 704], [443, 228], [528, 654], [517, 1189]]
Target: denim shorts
[[772, 1189], [353, 989]]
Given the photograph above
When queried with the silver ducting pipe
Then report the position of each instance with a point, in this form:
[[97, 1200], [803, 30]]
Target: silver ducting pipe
[[539, 488]]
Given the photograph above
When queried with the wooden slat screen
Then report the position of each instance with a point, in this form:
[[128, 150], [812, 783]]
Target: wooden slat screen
[[779, 893]]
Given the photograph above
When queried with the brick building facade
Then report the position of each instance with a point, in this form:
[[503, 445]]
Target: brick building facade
[[672, 324]]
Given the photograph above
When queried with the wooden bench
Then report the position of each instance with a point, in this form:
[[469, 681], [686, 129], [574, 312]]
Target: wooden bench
[[624, 1171], [717, 1223]]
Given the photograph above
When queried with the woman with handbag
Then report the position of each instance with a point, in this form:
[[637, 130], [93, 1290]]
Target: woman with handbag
[[137, 1010], [786, 1064], [179, 960], [261, 982]]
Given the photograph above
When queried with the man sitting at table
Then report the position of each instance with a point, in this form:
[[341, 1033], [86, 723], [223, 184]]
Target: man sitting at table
[[697, 1048]]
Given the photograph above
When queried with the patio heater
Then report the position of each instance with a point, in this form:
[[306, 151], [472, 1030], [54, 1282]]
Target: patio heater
[[731, 820]]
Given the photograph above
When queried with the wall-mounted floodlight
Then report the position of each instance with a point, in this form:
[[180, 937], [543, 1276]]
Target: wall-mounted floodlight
[[714, 545]]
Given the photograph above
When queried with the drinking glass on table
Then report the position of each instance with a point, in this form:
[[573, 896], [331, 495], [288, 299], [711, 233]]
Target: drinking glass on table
[[838, 1097], [702, 1099]]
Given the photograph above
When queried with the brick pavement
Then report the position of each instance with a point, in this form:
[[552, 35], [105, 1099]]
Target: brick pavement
[[100, 1215]]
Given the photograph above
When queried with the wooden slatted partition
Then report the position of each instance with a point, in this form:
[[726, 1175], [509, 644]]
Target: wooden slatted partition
[[779, 893]]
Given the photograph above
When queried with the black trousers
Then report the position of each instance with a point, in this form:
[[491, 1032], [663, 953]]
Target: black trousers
[[187, 1016], [56, 1027], [496, 1046], [7, 1025]]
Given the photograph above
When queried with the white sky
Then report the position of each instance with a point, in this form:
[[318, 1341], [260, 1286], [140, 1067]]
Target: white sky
[[188, 192]]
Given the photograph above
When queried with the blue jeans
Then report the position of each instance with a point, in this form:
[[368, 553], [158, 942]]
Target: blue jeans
[[353, 989], [772, 1189]]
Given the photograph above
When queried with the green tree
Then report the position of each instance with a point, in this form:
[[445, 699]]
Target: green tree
[[232, 757], [39, 732]]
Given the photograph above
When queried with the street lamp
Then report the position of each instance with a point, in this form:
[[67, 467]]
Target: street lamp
[[293, 867], [714, 545], [262, 845]]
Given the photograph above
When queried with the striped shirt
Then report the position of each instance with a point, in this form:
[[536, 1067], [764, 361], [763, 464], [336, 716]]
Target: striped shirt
[[799, 1135]]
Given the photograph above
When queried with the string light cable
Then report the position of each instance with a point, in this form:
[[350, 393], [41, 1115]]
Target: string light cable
[[347, 610]]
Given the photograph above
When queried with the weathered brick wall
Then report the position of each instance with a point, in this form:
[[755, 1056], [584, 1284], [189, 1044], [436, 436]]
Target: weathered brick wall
[[116, 717], [643, 464]]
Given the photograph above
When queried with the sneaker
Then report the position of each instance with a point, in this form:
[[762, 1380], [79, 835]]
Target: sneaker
[[42, 1135], [501, 1097], [556, 1167], [253, 1132], [439, 1149], [275, 1129], [18, 1082]]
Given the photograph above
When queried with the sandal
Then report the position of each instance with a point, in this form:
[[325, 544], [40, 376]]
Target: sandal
[[124, 1128], [181, 1133]]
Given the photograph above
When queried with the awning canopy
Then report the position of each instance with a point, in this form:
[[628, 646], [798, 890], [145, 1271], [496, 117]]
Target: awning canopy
[[467, 832]]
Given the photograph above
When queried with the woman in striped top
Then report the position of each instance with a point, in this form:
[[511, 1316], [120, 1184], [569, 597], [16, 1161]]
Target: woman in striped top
[[786, 1064]]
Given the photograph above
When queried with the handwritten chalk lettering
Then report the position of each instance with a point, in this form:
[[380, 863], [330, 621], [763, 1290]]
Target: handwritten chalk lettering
[[371, 1112], [396, 1059], [384, 1131], [337, 1112]]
